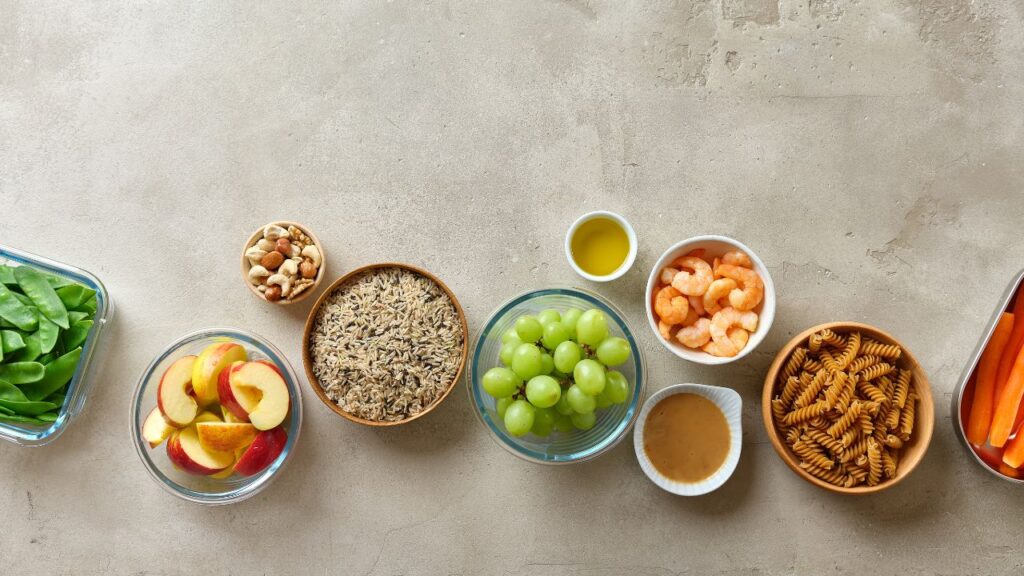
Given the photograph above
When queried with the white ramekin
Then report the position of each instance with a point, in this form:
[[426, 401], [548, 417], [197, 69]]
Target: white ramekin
[[626, 264]]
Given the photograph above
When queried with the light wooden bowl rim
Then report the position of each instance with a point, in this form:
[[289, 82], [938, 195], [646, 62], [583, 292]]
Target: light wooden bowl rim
[[924, 427], [307, 361], [259, 234]]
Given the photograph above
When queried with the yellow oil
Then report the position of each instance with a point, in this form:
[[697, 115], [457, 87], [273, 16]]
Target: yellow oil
[[600, 246]]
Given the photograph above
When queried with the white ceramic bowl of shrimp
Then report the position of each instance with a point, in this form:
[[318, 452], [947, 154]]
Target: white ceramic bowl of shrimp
[[713, 246]]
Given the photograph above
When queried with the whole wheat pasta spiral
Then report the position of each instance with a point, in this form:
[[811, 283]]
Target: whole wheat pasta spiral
[[811, 392], [849, 351], [876, 370], [794, 363], [840, 426], [874, 348], [902, 389], [830, 476], [804, 414], [874, 462], [861, 362]]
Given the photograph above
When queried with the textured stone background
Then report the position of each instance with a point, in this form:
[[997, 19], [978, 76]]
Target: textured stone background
[[870, 152]]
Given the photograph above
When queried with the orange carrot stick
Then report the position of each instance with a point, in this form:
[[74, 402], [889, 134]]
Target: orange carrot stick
[[1008, 471], [1013, 456], [1014, 345], [984, 389], [1007, 404]]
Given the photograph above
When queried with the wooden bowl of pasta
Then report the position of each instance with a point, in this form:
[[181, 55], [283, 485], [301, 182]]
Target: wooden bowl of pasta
[[848, 408]]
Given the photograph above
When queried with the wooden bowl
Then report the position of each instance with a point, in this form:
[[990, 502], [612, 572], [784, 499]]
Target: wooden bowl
[[307, 360], [913, 451], [256, 237]]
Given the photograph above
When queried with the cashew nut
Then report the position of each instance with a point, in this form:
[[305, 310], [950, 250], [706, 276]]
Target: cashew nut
[[313, 254], [296, 250], [266, 245], [255, 254], [256, 273], [282, 281], [273, 232], [288, 268]]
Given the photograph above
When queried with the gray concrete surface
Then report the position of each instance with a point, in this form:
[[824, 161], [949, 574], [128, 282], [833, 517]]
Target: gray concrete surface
[[870, 152]]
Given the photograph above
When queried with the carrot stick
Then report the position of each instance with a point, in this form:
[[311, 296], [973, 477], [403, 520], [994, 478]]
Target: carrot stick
[[1014, 345], [984, 389], [1006, 405], [1008, 471], [1013, 456]]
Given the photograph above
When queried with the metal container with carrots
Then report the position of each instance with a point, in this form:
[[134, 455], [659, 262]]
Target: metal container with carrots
[[988, 404]]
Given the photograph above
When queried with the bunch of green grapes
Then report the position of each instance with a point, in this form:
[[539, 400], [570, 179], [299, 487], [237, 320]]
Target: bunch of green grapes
[[555, 372]]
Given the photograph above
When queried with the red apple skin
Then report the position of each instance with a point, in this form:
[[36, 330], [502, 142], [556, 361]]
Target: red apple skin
[[263, 451], [272, 365], [177, 455], [227, 397], [188, 390]]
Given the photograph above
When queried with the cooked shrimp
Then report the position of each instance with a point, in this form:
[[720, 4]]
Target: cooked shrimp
[[737, 341], [752, 291], [725, 319], [718, 290], [667, 331], [667, 274], [697, 303], [737, 258], [692, 283], [691, 316], [697, 335], [671, 306]]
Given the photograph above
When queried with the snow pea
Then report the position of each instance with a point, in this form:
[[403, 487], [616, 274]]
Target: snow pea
[[28, 408], [88, 306], [48, 334], [75, 295], [76, 336], [24, 299], [25, 419], [9, 391], [43, 295], [12, 310], [30, 352], [48, 417], [57, 374], [75, 316], [7, 275], [23, 372], [57, 398], [6, 411], [11, 341]]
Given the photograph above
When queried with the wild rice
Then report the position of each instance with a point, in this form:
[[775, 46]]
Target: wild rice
[[386, 344]]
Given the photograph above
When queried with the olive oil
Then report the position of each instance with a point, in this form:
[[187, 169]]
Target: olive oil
[[600, 246]]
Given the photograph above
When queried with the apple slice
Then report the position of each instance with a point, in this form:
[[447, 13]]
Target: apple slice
[[188, 454], [173, 395], [271, 364], [212, 360], [155, 429], [261, 392], [224, 436], [228, 403], [263, 451]]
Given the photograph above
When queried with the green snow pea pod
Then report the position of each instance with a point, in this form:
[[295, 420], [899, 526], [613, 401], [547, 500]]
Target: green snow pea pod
[[6, 411], [56, 282], [75, 295], [7, 275], [28, 408], [75, 316], [43, 295], [12, 310], [48, 417], [57, 374], [25, 419], [11, 341], [48, 334], [76, 336], [22, 372], [88, 306], [11, 392], [30, 352], [24, 299], [57, 398]]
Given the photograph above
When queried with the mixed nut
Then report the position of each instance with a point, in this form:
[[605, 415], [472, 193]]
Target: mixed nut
[[283, 263]]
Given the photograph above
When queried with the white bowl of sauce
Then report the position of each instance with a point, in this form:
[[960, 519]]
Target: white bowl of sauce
[[688, 437], [600, 246]]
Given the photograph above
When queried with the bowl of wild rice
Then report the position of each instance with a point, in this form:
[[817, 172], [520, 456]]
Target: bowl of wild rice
[[385, 344]]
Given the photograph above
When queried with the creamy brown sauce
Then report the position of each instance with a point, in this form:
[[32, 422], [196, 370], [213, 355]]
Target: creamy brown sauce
[[686, 437]]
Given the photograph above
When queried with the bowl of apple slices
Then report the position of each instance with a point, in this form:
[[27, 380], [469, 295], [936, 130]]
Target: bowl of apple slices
[[216, 415]]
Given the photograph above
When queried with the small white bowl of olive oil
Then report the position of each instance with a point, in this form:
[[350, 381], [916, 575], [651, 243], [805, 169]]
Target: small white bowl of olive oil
[[600, 246]]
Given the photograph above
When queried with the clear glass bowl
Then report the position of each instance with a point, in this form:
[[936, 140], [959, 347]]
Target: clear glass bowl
[[203, 489], [560, 448], [82, 381]]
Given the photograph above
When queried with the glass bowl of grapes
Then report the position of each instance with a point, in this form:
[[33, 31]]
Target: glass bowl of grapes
[[556, 375]]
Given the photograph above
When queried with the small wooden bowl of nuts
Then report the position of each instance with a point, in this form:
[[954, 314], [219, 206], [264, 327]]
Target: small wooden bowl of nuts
[[283, 262]]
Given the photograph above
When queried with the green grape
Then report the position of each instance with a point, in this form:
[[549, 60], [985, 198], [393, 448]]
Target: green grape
[[563, 406], [547, 363], [510, 336], [526, 361], [502, 405], [548, 316], [500, 382], [589, 376], [616, 387], [569, 320], [543, 422], [601, 401], [613, 351], [591, 328], [558, 374], [529, 329], [581, 403], [507, 351], [563, 423], [567, 355], [584, 421], [554, 334], [519, 417], [543, 391]]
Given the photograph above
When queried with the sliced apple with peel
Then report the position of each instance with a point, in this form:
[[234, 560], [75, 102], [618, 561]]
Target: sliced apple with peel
[[225, 436], [174, 393], [263, 451], [228, 403], [261, 392], [155, 429], [188, 454], [212, 360]]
